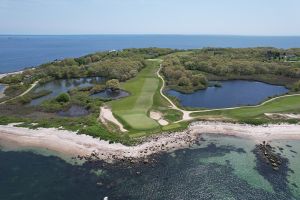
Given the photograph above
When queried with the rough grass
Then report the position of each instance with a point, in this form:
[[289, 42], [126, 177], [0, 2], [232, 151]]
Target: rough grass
[[133, 110], [285, 104]]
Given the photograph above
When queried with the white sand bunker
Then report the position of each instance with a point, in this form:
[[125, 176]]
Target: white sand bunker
[[282, 116], [106, 115], [159, 118]]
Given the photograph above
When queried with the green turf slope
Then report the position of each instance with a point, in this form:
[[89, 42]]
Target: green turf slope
[[132, 111]]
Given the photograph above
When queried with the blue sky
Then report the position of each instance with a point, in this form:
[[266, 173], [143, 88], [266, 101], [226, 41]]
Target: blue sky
[[229, 17]]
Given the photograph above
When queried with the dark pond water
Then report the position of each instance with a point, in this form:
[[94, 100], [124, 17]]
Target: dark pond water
[[109, 94], [2, 88], [231, 94], [74, 111], [217, 168], [61, 86]]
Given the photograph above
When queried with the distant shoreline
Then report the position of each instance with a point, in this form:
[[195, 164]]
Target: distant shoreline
[[11, 73], [57, 48], [70, 144]]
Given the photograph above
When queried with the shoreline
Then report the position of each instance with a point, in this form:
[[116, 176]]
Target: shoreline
[[68, 143], [11, 73]]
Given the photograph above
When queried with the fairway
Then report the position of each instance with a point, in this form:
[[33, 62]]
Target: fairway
[[133, 110]]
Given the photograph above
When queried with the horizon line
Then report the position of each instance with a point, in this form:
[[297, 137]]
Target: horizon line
[[149, 34]]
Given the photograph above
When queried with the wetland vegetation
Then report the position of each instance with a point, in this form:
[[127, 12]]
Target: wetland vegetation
[[127, 82]]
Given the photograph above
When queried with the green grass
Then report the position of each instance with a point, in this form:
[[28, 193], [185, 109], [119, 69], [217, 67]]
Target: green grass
[[281, 105], [133, 110]]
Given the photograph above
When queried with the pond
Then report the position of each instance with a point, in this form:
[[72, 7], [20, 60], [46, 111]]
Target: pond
[[109, 94], [2, 89], [231, 94], [74, 111], [61, 86]]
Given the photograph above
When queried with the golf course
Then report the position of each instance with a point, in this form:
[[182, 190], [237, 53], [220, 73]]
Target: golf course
[[146, 76], [133, 110]]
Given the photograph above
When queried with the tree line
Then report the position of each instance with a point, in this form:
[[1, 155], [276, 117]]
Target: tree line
[[183, 69], [121, 65]]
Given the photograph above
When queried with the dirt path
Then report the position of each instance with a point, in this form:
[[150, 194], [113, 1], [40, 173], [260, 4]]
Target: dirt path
[[24, 93], [106, 115], [186, 114]]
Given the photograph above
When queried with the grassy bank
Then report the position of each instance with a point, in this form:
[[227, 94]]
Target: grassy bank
[[290, 104]]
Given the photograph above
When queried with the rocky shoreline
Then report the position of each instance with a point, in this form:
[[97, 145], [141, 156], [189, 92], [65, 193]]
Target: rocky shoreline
[[87, 148]]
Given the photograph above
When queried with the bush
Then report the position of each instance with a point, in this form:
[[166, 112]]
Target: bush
[[296, 86], [63, 98], [113, 84]]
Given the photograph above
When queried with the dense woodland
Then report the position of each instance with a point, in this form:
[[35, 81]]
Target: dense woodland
[[121, 65], [185, 71], [190, 70]]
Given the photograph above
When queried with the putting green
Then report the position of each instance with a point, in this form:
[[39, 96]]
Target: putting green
[[133, 110]]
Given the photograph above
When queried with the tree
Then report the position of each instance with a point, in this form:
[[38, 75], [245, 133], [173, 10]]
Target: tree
[[63, 98], [184, 81], [199, 79], [296, 86], [113, 84], [97, 89]]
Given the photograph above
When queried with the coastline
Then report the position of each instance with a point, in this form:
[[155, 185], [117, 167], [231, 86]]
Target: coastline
[[11, 73], [71, 144]]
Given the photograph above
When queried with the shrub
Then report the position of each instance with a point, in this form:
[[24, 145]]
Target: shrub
[[296, 86], [113, 84], [63, 98]]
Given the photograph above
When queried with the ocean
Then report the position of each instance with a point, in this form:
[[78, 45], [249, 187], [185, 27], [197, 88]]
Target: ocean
[[18, 52], [217, 167]]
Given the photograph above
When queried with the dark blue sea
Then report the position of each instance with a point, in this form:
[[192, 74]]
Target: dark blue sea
[[216, 167], [18, 52]]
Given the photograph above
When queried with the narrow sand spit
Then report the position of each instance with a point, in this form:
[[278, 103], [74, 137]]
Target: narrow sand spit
[[11, 73], [69, 143], [159, 118], [106, 115]]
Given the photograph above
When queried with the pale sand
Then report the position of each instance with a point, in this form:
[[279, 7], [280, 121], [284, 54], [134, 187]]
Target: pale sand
[[10, 73], [69, 143], [106, 115], [159, 118], [282, 116]]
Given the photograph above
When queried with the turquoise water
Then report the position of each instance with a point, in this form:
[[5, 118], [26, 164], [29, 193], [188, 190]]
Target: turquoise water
[[218, 167], [231, 94], [17, 52]]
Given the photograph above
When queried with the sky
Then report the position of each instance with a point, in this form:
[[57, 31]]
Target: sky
[[204, 17]]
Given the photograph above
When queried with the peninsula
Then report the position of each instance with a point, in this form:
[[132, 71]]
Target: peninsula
[[118, 103]]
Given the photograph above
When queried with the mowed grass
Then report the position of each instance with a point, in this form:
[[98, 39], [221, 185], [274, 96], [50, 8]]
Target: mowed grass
[[133, 110], [282, 105]]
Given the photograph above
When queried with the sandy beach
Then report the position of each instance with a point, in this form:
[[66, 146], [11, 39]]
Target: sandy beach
[[72, 144], [10, 73]]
